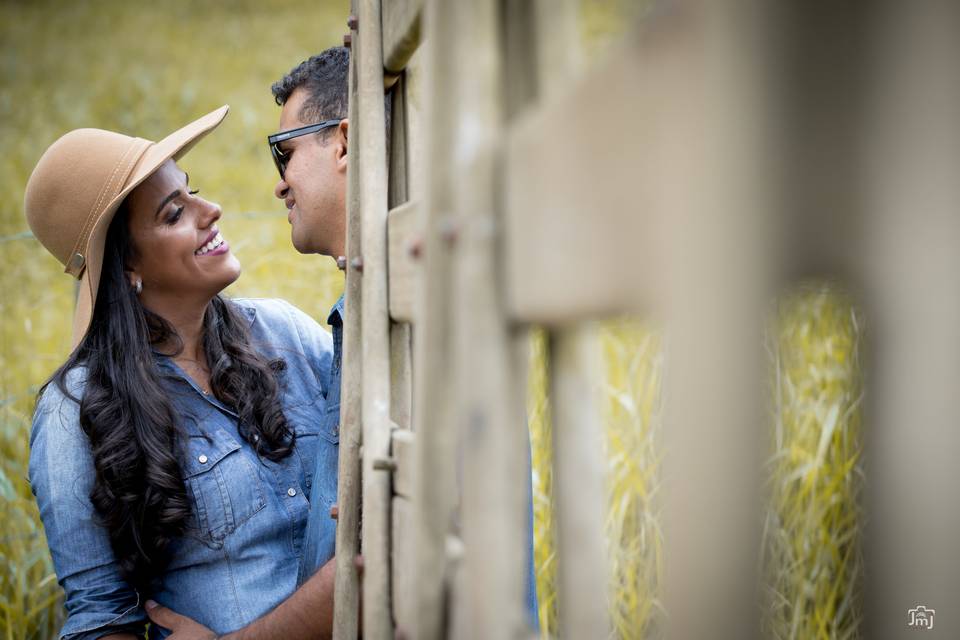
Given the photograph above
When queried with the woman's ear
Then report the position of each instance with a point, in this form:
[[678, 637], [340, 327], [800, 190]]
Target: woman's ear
[[343, 130]]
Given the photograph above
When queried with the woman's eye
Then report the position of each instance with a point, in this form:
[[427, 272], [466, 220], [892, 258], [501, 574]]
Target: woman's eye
[[175, 217], [194, 192]]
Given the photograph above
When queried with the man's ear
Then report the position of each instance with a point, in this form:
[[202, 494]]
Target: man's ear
[[342, 143]]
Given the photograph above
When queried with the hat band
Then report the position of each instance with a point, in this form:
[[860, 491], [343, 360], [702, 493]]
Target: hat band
[[111, 189]]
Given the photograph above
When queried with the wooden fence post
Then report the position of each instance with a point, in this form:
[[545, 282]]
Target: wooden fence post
[[375, 346], [346, 597]]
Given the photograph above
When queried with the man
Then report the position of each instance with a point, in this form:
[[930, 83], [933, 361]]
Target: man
[[311, 155]]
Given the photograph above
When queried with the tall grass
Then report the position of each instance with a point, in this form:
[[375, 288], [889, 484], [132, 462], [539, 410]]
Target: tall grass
[[812, 529]]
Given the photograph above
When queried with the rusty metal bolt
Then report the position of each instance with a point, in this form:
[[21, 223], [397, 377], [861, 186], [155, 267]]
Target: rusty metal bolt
[[352, 23], [342, 263], [415, 248], [347, 40], [357, 264], [334, 512], [385, 464]]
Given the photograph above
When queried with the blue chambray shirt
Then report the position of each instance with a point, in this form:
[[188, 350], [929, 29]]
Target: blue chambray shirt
[[320, 537], [245, 540]]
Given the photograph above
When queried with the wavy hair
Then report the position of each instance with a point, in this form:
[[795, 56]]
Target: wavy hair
[[139, 492]]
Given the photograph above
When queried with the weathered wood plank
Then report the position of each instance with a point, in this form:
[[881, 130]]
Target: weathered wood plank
[[402, 452], [403, 240], [401, 32], [347, 587], [404, 579], [375, 346]]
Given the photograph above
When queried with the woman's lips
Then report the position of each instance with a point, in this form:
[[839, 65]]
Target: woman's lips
[[223, 248]]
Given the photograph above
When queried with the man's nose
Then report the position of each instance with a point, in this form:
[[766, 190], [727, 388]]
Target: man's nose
[[280, 191]]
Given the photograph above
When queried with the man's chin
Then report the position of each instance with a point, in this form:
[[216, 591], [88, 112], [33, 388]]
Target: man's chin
[[303, 245]]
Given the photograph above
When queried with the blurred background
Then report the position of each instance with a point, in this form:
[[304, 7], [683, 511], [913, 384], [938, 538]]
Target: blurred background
[[148, 68]]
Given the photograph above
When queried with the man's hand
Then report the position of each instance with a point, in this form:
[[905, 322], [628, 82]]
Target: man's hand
[[183, 627]]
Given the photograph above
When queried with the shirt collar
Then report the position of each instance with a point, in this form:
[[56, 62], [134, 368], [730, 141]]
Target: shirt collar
[[336, 313]]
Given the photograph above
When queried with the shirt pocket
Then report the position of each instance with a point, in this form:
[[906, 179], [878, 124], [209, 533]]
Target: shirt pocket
[[225, 485]]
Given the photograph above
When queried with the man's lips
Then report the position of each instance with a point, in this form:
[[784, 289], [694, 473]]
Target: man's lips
[[290, 204]]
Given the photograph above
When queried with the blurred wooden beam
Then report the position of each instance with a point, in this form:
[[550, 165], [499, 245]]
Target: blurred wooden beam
[[585, 179], [401, 32], [435, 453], [912, 228]]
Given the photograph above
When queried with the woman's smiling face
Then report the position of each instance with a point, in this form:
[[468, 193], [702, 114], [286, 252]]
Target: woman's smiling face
[[179, 252]]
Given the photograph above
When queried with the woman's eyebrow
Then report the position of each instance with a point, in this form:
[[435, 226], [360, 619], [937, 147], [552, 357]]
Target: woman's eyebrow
[[171, 196], [165, 201]]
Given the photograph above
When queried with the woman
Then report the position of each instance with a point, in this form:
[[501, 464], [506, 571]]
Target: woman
[[172, 454]]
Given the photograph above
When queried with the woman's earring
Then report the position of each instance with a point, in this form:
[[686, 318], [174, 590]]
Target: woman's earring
[[139, 286]]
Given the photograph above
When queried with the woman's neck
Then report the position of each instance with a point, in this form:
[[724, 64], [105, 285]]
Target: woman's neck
[[187, 321]]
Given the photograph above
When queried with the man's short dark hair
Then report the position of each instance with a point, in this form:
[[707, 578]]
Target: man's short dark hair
[[325, 78]]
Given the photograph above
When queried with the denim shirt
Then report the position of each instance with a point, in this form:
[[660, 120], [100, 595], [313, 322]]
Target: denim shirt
[[244, 543], [320, 535], [320, 538]]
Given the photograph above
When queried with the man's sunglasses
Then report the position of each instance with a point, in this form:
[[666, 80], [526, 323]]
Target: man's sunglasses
[[279, 157]]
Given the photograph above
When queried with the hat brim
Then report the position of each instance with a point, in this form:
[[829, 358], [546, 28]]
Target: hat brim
[[174, 146]]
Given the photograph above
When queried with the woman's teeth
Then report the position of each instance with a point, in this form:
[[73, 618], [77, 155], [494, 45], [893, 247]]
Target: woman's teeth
[[210, 246]]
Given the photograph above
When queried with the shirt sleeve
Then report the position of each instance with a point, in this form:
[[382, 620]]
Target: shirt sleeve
[[97, 599]]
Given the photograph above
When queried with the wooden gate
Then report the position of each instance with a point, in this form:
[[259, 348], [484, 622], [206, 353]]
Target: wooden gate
[[723, 149]]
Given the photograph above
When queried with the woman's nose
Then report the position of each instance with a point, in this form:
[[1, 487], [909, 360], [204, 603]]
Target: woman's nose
[[211, 213], [280, 191]]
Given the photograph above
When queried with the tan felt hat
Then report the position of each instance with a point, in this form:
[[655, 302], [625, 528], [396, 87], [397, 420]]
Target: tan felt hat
[[79, 183]]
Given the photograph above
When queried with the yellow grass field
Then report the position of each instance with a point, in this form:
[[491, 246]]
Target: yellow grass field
[[147, 68]]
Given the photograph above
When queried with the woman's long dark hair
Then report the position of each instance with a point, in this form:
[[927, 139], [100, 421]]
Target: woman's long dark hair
[[135, 434]]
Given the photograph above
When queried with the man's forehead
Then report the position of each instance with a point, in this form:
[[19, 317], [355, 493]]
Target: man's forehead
[[290, 114]]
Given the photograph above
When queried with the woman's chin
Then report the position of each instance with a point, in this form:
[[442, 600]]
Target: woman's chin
[[232, 277]]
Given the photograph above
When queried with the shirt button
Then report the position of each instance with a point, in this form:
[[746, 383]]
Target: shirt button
[[202, 459], [291, 492]]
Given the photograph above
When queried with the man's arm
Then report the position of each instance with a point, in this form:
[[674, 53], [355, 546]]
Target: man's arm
[[305, 615]]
